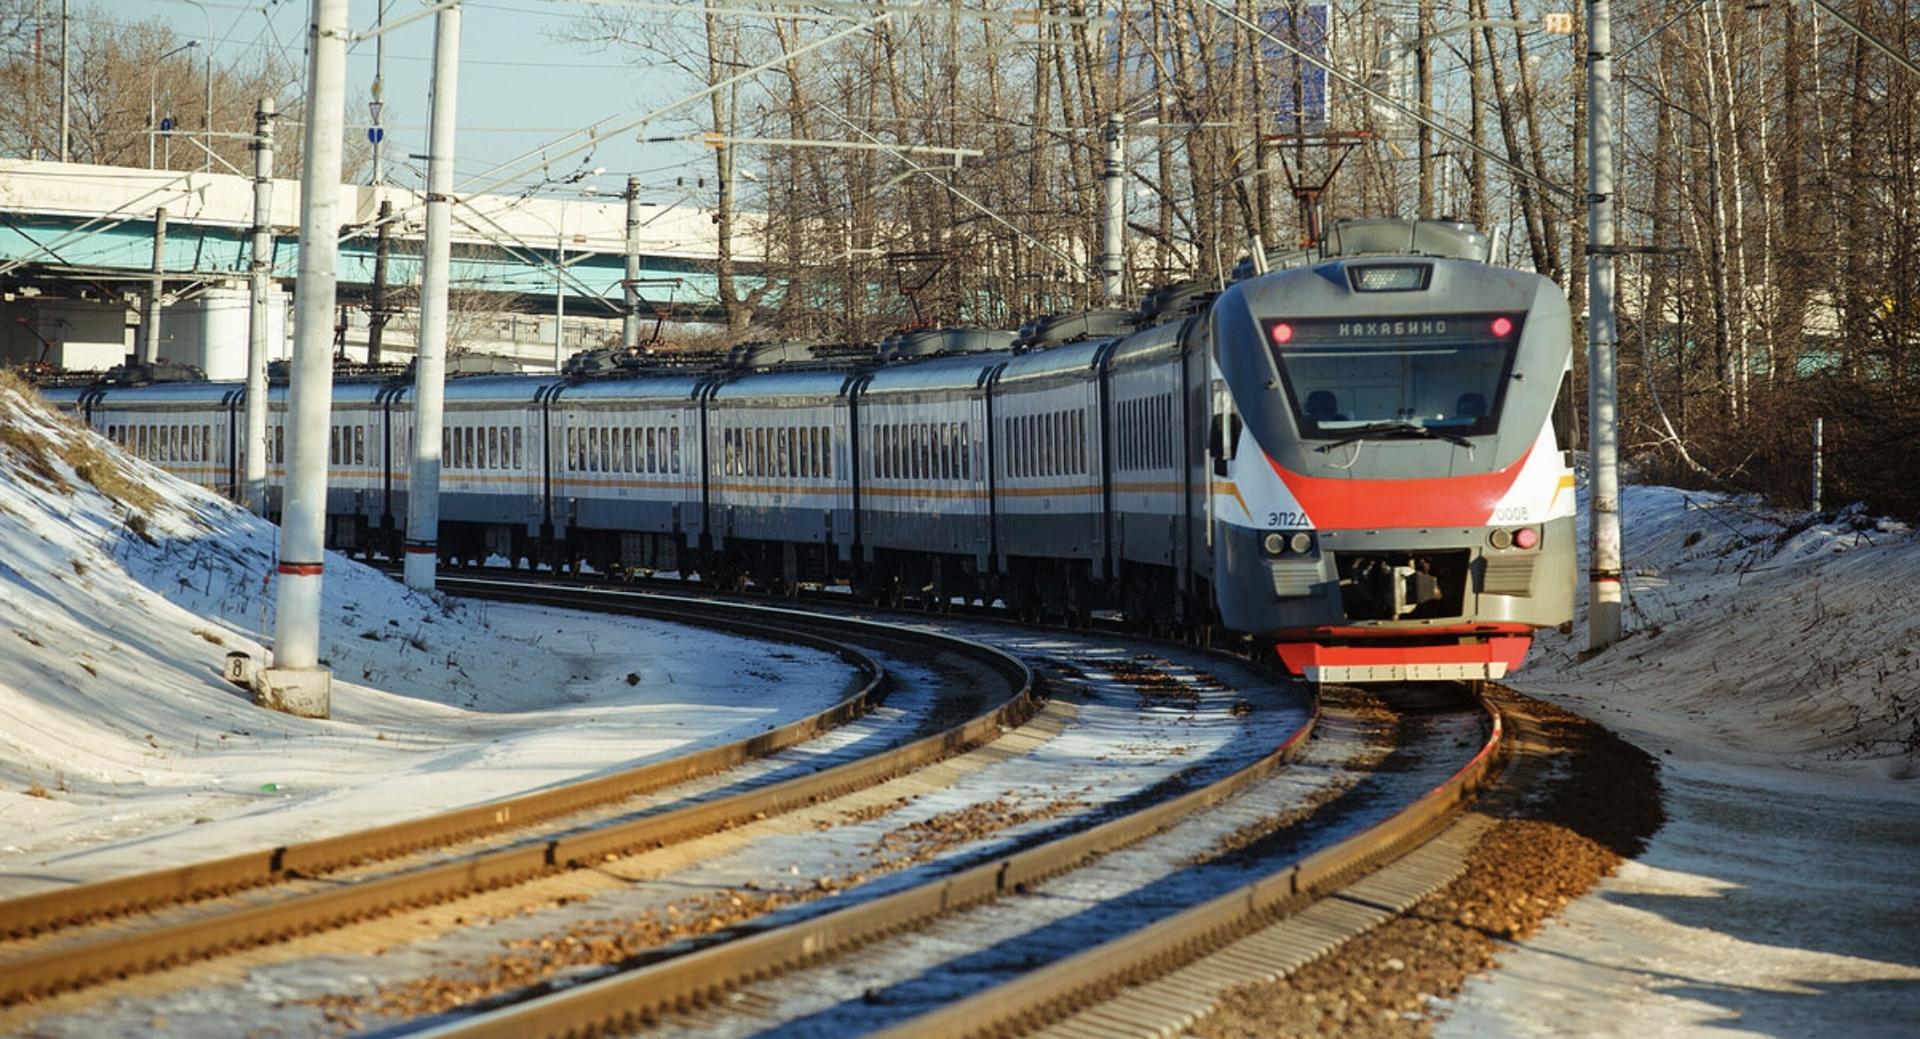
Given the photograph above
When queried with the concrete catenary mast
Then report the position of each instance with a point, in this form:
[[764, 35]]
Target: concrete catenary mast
[[156, 289], [1604, 568], [1113, 244], [430, 366], [296, 683], [630, 321], [260, 282]]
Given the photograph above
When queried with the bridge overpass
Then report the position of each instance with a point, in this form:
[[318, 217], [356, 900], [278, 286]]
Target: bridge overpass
[[76, 247]]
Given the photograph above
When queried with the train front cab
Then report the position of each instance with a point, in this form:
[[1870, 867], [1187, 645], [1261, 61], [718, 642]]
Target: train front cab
[[1389, 499]]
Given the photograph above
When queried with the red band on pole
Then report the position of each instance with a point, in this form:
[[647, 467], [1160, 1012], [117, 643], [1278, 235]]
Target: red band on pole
[[301, 569], [420, 550]]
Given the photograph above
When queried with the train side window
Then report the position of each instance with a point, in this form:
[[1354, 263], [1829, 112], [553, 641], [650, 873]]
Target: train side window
[[826, 452], [519, 447], [1020, 453], [359, 445], [1566, 419], [673, 445]]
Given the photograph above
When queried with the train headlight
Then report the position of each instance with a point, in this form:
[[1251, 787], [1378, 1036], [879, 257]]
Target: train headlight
[[1275, 543], [1500, 539], [1301, 541]]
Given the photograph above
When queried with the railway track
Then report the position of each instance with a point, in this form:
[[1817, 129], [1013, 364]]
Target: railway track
[[181, 923], [897, 951], [730, 982]]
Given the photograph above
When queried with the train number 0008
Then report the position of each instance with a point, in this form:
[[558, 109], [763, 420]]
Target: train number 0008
[[1512, 514]]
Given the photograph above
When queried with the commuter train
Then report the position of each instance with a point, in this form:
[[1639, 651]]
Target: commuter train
[[1353, 457]]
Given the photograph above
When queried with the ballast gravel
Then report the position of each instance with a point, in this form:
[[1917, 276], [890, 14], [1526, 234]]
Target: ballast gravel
[[1599, 805]]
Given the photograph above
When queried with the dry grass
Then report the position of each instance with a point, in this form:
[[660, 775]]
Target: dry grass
[[210, 636], [36, 790], [86, 455]]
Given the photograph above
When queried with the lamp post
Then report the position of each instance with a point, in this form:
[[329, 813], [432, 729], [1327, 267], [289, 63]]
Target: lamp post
[[206, 162], [153, 84]]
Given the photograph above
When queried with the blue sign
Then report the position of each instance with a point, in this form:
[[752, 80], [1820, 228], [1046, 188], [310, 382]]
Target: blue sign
[[166, 124], [375, 134]]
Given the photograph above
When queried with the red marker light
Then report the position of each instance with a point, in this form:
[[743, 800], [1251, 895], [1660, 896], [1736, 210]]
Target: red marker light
[[1281, 332], [1526, 537], [1502, 327]]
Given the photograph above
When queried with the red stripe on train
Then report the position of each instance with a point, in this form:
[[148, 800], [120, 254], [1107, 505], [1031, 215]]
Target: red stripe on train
[[1335, 503]]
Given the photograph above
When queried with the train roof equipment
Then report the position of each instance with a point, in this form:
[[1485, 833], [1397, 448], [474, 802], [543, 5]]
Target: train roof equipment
[[1403, 237], [936, 342], [1055, 329], [1175, 299]]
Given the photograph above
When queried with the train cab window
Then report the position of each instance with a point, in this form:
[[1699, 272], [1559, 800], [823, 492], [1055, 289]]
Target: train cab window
[[1444, 372]]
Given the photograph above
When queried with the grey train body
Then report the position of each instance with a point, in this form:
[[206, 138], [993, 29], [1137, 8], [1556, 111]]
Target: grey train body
[[1056, 477]]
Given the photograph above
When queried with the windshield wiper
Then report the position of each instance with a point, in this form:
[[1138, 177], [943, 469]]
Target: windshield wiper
[[1397, 427]]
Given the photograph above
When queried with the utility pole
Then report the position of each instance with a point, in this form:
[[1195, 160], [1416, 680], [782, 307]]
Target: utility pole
[[1423, 62], [630, 322], [156, 287], [1604, 568], [379, 88], [65, 84], [377, 299], [296, 683], [430, 364], [560, 290], [260, 281], [1113, 242]]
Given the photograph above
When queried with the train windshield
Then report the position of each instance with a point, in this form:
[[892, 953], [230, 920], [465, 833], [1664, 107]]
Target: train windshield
[[1442, 375]]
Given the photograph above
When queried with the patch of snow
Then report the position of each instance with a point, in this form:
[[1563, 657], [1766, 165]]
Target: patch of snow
[[1771, 663], [123, 748]]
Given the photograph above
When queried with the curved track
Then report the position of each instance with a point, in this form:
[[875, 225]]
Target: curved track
[[667, 994], [55, 963]]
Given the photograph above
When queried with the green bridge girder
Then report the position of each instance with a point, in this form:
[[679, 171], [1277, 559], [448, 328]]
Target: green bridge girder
[[50, 247]]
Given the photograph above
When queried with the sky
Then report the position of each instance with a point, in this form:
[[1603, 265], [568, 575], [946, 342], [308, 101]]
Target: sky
[[521, 84]]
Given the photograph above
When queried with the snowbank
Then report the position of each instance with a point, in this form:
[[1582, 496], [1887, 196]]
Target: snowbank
[[1756, 637], [123, 589]]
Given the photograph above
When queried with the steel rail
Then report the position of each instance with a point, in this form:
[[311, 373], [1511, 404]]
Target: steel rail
[[1040, 997], [31, 914], [75, 965], [632, 997]]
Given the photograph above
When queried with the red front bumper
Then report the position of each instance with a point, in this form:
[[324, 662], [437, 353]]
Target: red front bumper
[[1397, 655]]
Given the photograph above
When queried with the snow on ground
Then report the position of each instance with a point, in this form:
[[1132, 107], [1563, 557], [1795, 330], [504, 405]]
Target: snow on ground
[[1772, 665], [122, 748]]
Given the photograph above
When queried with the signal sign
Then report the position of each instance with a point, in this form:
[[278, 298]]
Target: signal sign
[[1558, 22], [376, 134]]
